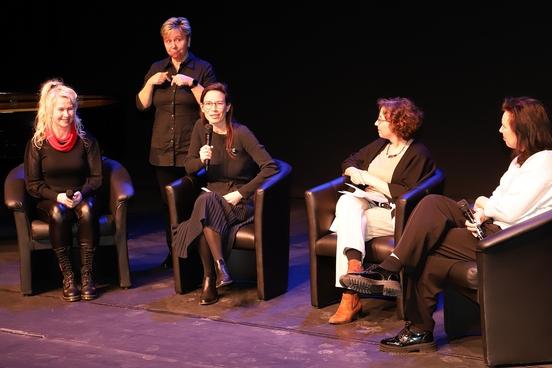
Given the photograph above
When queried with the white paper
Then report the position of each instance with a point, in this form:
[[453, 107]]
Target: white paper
[[370, 195]]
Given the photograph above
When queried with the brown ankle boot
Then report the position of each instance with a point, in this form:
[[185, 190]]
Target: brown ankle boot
[[349, 308], [354, 266]]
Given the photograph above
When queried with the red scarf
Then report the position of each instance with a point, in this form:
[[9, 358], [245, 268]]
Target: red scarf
[[65, 144]]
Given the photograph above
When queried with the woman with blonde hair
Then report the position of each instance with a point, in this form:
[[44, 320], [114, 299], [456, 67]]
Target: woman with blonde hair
[[63, 171]]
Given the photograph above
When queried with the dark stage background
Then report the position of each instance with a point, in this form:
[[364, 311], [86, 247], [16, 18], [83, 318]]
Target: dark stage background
[[305, 80]]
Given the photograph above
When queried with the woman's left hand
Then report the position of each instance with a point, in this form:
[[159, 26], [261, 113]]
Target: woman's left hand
[[182, 80], [77, 198], [233, 197]]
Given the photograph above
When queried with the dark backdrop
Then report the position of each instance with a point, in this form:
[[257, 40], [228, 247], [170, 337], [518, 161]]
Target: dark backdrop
[[305, 80]]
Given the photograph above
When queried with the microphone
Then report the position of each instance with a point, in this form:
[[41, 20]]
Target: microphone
[[208, 138], [69, 193], [468, 214]]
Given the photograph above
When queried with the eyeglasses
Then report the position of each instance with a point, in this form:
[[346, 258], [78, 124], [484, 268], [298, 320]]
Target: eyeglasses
[[379, 121], [209, 104]]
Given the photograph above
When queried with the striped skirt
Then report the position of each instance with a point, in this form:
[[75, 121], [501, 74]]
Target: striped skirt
[[211, 210]]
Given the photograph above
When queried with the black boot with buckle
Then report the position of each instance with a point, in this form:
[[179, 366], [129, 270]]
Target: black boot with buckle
[[70, 291]]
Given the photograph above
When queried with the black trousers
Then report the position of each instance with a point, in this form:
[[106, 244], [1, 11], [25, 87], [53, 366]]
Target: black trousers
[[434, 239], [61, 219], [166, 175]]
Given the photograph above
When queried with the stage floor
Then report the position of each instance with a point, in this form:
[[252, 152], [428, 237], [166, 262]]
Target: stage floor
[[149, 325]]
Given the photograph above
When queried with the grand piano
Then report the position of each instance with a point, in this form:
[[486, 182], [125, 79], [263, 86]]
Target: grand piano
[[17, 113]]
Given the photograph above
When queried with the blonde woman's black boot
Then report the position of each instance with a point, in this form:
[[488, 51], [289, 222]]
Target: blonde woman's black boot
[[88, 287], [70, 291]]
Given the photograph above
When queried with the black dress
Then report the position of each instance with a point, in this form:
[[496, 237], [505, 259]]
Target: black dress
[[245, 172]]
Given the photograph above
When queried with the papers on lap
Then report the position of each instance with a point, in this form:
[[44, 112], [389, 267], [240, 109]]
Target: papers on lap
[[370, 195]]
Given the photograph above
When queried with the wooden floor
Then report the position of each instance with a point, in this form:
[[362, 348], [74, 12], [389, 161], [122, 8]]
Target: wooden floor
[[149, 325]]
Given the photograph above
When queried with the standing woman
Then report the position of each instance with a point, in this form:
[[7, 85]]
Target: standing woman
[[237, 165], [173, 86], [63, 170], [388, 167]]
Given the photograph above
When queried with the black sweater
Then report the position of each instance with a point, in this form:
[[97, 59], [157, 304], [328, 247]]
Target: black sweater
[[49, 172]]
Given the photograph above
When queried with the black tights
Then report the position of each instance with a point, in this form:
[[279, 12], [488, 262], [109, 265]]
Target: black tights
[[210, 249]]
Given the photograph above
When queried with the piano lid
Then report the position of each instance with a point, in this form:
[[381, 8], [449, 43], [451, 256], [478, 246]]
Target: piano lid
[[20, 102]]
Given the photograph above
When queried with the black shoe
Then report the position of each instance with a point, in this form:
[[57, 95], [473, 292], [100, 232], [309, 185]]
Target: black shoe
[[223, 275], [373, 280], [408, 341], [168, 262], [209, 293]]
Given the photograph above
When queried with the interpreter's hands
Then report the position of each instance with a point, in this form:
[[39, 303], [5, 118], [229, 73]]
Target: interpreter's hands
[[69, 202], [159, 78], [233, 197], [205, 153], [355, 175], [182, 80]]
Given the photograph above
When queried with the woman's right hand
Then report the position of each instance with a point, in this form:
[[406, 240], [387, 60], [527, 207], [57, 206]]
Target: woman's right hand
[[159, 78], [205, 153]]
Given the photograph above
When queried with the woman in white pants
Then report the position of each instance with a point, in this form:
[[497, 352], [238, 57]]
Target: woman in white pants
[[385, 169]]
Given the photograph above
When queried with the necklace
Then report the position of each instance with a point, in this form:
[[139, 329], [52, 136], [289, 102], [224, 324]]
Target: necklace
[[395, 154]]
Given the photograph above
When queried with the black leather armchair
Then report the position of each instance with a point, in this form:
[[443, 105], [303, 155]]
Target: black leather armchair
[[267, 236], [32, 234], [505, 295], [321, 202]]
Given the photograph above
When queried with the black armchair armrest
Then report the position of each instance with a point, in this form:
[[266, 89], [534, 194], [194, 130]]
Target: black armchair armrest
[[15, 193], [514, 276], [405, 204], [120, 183], [272, 211], [320, 202], [181, 195]]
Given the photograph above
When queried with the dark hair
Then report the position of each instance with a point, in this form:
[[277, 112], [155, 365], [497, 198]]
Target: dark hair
[[403, 116], [531, 125], [229, 114]]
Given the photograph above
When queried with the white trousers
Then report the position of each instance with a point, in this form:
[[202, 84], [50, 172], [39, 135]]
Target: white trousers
[[355, 223]]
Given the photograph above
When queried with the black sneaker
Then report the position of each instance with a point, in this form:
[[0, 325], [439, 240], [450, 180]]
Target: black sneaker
[[373, 280], [409, 341]]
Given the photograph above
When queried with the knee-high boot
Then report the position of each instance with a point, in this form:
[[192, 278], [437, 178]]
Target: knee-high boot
[[88, 288], [70, 291]]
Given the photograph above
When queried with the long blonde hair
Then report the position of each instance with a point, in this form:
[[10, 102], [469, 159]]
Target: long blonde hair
[[50, 91]]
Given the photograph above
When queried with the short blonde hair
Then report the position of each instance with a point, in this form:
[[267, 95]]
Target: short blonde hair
[[180, 23]]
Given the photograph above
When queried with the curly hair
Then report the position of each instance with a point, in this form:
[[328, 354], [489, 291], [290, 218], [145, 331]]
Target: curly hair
[[403, 116]]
